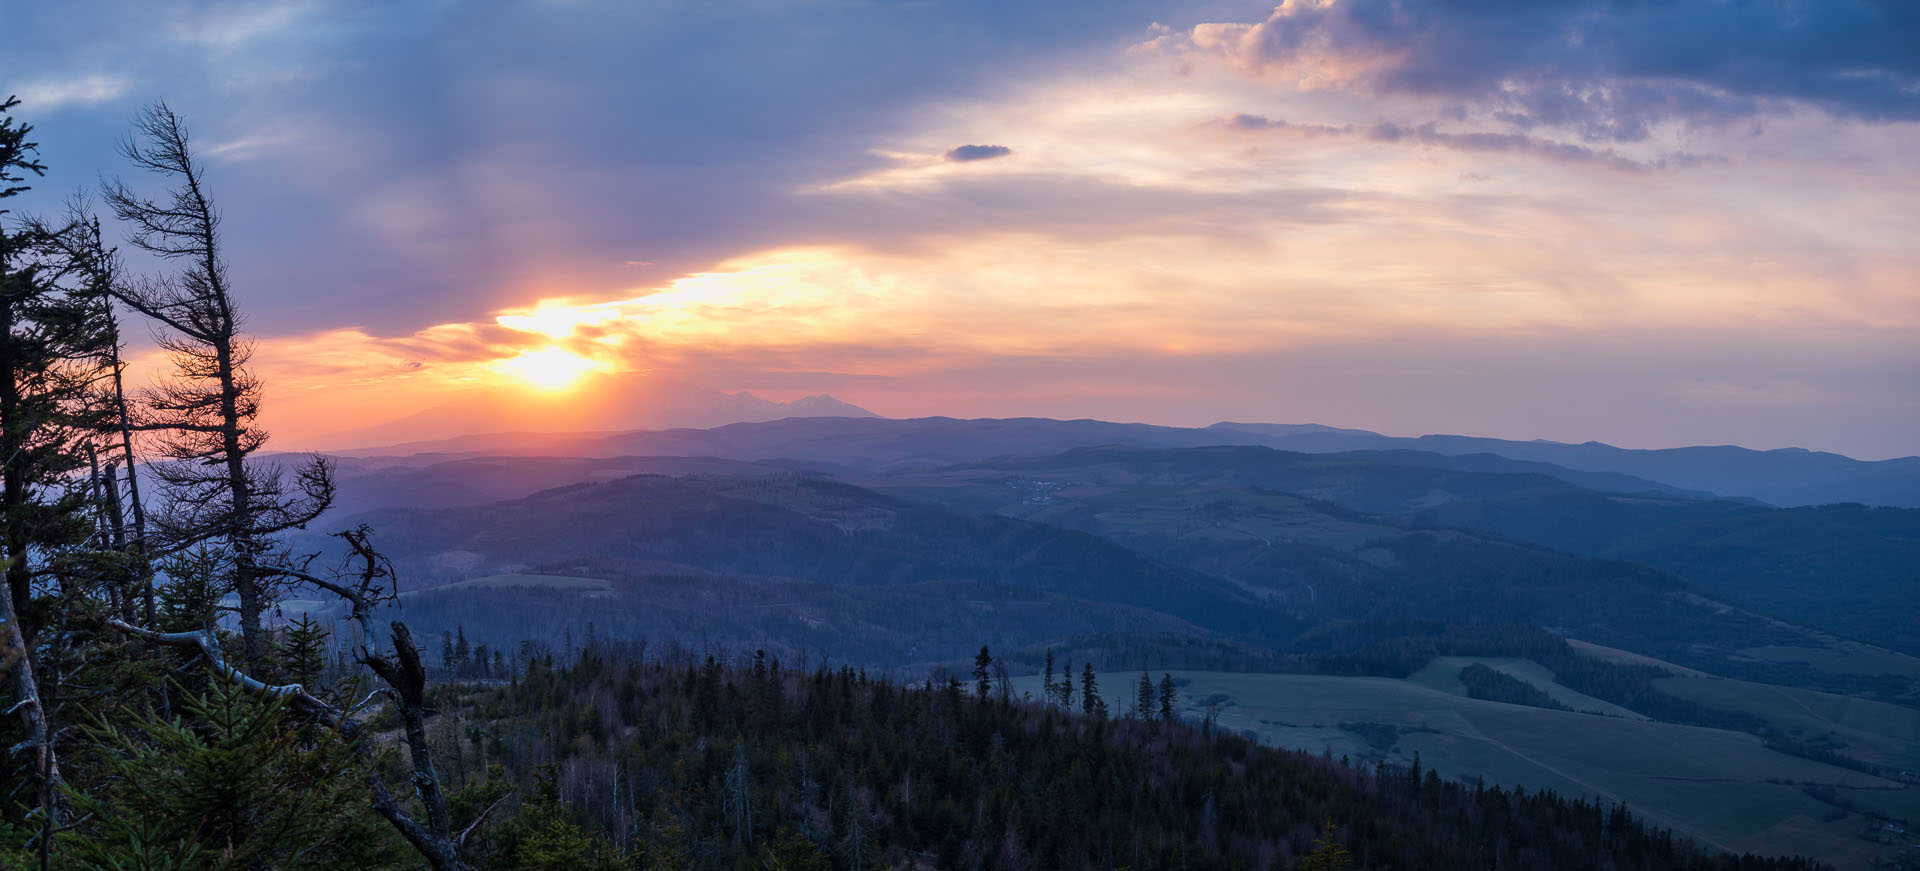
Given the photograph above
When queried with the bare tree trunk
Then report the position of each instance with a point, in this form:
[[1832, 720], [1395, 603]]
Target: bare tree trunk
[[208, 411], [124, 420], [404, 672], [246, 548]]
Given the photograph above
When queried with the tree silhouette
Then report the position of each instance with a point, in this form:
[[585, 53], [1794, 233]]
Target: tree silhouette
[[205, 415]]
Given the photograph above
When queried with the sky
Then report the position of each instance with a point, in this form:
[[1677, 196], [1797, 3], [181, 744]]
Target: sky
[[1645, 222]]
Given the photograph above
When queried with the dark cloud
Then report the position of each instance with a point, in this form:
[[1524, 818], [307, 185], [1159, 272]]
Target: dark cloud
[[969, 153], [1605, 68], [1246, 123], [1430, 134]]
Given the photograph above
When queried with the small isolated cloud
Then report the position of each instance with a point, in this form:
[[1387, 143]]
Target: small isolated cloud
[[85, 91], [970, 153]]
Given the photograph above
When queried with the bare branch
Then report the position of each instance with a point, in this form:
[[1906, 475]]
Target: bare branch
[[209, 647]]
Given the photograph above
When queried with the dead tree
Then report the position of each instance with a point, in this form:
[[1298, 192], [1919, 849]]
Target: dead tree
[[405, 677], [406, 681], [205, 415]]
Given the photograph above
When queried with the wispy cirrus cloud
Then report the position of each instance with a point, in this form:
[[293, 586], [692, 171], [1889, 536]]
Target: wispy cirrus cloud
[[231, 24], [1429, 134], [45, 95]]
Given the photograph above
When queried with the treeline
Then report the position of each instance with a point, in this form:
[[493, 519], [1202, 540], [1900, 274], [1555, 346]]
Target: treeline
[[616, 763], [1498, 686], [1398, 648]]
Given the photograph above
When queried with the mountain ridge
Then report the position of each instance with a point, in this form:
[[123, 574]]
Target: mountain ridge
[[1785, 477]]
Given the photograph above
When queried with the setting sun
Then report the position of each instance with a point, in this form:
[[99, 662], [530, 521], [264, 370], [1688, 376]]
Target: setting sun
[[548, 368]]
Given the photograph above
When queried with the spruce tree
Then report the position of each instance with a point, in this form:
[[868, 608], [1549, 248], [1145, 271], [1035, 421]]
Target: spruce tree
[[982, 671], [462, 653], [1090, 702], [1328, 853], [1046, 685], [302, 652], [237, 784]]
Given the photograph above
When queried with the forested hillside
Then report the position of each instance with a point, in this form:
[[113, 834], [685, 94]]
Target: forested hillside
[[699, 765]]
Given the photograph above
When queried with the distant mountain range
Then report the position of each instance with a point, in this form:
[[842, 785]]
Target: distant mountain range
[[1246, 544], [1788, 476], [604, 404], [852, 439]]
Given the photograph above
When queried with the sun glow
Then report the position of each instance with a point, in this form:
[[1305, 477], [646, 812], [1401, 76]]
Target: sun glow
[[551, 369], [556, 318]]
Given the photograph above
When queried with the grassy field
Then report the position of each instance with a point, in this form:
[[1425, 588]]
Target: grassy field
[[1719, 787], [1873, 731], [1845, 658]]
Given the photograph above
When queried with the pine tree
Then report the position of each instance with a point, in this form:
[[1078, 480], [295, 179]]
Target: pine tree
[[982, 671], [1144, 697], [544, 837], [1065, 687], [301, 655], [238, 784], [1328, 853], [1168, 696], [462, 653], [1046, 685], [1090, 702], [52, 352], [190, 599]]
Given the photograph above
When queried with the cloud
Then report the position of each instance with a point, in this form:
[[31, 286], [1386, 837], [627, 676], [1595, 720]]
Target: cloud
[[258, 142], [49, 94], [232, 24], [1430, 134], [1608, 70], [1520, 143], [970, 153], [1248, 123]]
